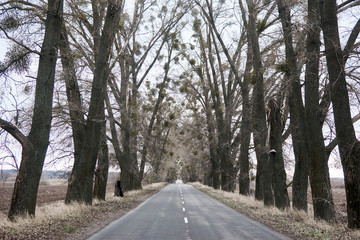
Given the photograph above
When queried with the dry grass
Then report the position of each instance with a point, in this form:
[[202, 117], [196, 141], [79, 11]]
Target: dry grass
[[57, 210], [57, 218], [298, 225]]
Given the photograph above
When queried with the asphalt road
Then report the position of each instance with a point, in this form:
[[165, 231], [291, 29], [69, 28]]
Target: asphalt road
[[180, 212]]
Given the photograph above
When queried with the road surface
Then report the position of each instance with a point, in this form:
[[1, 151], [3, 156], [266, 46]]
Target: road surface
[[181, 212]]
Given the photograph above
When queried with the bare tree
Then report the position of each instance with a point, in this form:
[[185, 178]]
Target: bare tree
[[349, 146], [310, 134], [263, 183], [36, 143], [81, 180]]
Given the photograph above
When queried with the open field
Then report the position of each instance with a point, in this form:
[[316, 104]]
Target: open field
[[49, 191]]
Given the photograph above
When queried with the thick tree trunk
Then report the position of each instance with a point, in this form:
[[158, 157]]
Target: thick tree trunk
[[300, 178], [73, 96], [263, 185], [297, 119], [81, 180], [319, 173], [101, 172], [276, 157], [34, 152], [349, 146], [318, 168], [127, 161]]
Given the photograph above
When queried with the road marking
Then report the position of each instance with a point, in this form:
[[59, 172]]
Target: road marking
[[183, 209], [183, 202], [186, 220]]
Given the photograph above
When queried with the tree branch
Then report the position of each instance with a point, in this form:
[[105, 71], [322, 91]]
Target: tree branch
[[329, 148], [351, 41], [15, 132], [340, 6], [19, 43]]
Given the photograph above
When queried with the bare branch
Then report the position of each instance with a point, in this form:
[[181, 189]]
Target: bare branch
[[351, 41], [343, 6], [15, 132], [330, 147], [18, 43]]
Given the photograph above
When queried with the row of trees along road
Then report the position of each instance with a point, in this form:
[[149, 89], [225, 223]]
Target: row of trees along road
[[199, 89]]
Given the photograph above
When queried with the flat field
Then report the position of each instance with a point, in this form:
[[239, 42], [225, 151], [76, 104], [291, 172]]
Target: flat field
[[49, 191]]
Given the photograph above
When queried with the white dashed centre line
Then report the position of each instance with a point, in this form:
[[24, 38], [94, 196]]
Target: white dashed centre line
[[186, 220], [183, 209]]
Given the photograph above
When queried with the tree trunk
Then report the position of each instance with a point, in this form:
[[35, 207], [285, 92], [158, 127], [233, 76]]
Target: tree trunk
[[34, 151], [215, 170], [73, 96], [297, 119], [319, 173], [276, 157], [101, 172], [245, 132], [318, 168], [349, 146], [129, 170], [300, 178], [263, 185], [81, 179]]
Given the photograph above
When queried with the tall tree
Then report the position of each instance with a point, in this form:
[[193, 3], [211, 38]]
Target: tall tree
[[136, 61], [225, 95], [36, 143], [318, 168], [349, 146], [263, 183], [245, 130], [312, 147], [161, 96], [75, 106], [81, 182]]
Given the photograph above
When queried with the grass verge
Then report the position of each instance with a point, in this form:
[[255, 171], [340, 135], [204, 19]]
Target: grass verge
[[295, 224], [74, 221]]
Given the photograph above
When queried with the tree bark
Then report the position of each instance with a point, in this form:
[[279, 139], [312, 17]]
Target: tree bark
[[34, 150], [319, 174], [349, 146], [73, 96], [318, 168], [129, 172], [101, 172], [276, 157], [81, 180], [245, 131], [263, 185], [311, 141]]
